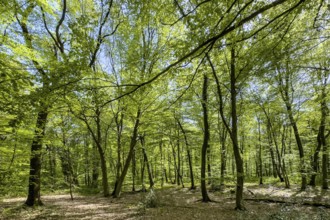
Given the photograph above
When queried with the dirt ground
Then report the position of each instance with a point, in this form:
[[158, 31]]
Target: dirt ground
[[177, 203]]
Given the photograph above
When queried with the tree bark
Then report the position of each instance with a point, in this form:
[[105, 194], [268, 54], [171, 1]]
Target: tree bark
[[284, 88], [205, 197], [233, 129], [117, 191], [223, 158], [119, 129], [234, 138], [192, 182], [133, 170], [260, 153], [98, 143], [35, 160], [145, 158], [322, 138]]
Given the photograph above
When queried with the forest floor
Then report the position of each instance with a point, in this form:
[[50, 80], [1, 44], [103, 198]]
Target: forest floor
[[262, 202]]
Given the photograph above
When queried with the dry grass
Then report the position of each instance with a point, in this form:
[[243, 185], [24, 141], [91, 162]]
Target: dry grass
[[174, 203]]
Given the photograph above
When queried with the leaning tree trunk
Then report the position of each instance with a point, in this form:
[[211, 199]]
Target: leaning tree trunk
[[284, 88], [300, 148], [98, 142], [116, 192], [205, 197], [35, 160]]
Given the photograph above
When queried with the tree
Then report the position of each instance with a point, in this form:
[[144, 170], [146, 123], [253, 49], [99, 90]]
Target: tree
[[205, 140]]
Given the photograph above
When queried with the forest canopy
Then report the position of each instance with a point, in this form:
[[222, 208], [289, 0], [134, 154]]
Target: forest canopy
[[127, 95]]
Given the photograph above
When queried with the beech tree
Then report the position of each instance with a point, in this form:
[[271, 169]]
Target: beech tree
[[180, 93]]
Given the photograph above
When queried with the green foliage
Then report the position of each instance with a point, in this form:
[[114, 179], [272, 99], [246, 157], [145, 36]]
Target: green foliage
[[150, 200], [107, 59]]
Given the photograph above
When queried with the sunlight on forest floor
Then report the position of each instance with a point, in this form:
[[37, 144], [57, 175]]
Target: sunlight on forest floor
[[176, 203]]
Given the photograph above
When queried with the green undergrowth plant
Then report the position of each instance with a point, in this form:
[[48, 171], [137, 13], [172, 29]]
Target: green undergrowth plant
[[150, 200]]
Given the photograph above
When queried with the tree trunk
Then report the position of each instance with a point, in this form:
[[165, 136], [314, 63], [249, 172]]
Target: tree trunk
[[119, 129], [98, 143], [96, 165], [35, 160], [179, 160], [234, 138], [192, 186], [205, 197], [321, 135], [178, 177], [117, 191], [284, 88], [163, 171], [315, 161], [133, 170], [145, 158], [285, 175], [300, 148], [209, 174], [260, 153], [223, 158]]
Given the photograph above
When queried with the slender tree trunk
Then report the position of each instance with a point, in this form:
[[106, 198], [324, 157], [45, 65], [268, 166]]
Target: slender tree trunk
[[322, 138], [143, 164], [87, 163], [35, 160], [205, 197], [223, 158], [279, 159], [192, 186], [169, 167], [163, 171], [98, 143], [133, 171], [233, 130], [260, 154], [145, 157], [116, 192], [209, 173], [95, 169], [179, 160], [119, 129], [285, 175], [284, 88], [51, 160], [315, 162], [300, 148]]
